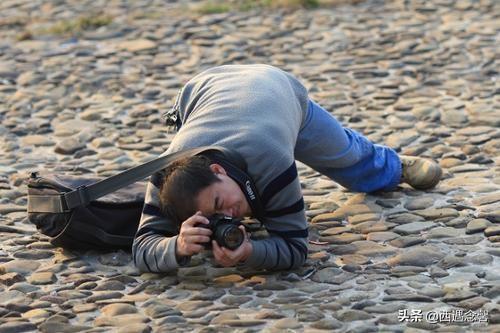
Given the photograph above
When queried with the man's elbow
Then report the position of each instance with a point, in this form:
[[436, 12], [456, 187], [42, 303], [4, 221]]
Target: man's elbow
[[300, 262], [300, 256], [138, 256]]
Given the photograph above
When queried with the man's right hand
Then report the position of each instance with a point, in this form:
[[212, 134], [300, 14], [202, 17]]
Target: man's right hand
[[191, 238]]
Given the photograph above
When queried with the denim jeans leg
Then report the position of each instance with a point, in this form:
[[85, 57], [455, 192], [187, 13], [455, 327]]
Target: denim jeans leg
[[344, 155]]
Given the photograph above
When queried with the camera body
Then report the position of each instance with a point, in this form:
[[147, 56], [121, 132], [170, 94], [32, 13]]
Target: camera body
[[225, 231]]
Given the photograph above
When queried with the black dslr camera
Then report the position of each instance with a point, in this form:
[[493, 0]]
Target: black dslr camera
[[225, 231]]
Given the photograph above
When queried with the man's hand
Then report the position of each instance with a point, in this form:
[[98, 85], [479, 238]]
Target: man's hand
[[228, 258], [191, 237]]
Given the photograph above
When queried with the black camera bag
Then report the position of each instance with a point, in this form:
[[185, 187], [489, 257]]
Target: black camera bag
[[103, 214]]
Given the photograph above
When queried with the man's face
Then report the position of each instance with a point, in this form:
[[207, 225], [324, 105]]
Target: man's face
[[224, 197]]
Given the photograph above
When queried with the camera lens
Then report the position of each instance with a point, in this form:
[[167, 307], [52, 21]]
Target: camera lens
[[229, 236]]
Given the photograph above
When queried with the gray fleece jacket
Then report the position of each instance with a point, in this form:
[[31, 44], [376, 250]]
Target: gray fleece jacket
[[257, 110]]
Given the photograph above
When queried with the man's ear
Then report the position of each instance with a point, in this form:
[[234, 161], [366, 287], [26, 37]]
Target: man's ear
[[217, 169]]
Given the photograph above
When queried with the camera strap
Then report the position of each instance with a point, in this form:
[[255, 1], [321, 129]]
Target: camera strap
[[236, 168]]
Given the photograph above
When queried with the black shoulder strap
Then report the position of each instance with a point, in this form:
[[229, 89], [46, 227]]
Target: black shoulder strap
[[85, 194], [236, 168]]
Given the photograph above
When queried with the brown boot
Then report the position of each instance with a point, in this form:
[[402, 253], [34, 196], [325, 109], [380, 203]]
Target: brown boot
[[420, 173]]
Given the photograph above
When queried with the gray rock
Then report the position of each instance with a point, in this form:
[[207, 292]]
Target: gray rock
[[438, 272], [332, 275], [9, 279], [104, 295], [492, 231], [458, 295], [193, 305], [287, 324], [437, 213], [433, 292], [69, 146], [137, 45], [408, 298], [308, 315], [471, 240], [473, 303], [118, 258], [413, 228], [443, 232], [419, 203], [161, 310], [121, 320], [235, 300], [353, 315], [17, 327], [477, 225], [118, 309], [420, 256], [42, 278], [406, 241], [49, 327], [403, 218], [135, 328]]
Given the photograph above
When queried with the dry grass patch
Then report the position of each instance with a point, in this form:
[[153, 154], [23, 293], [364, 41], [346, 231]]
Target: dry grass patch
[[69, 27], [222, 6]]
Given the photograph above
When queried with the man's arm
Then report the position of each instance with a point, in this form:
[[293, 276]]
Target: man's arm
[[286, 223], [284, 249], [154, 244]]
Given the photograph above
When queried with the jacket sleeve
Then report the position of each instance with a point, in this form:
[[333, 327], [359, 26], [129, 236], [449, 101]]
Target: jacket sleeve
[[286, 223], [154, 244]]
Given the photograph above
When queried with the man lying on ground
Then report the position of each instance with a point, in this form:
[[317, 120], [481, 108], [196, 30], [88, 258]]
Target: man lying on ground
[[263, 114]]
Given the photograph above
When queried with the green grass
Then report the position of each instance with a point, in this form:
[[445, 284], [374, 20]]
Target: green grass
[[79, 24], [223, 6], [68, 27]]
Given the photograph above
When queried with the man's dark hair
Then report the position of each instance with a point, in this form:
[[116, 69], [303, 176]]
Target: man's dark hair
[[184, 179]]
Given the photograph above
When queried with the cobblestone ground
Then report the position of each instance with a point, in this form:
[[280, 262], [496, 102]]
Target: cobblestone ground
[[420, 76]]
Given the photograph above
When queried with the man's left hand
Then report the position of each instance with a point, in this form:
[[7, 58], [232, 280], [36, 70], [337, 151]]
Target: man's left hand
[[228, 258]]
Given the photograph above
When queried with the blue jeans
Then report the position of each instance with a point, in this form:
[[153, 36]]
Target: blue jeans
[[344, 155]]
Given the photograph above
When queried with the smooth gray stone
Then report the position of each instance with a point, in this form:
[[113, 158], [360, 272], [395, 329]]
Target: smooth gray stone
[[49, 327], [235, 300], [69, 146], [443, 232], [308, 315], [418, 256], [135, 328], [327, 324], [492, 231], [118, 309], [110, 285], [404, 218], [477, 225], [352, 315], [466, 240], [413, 228], [118, 258], [171, 320], [17, 327], [433, 292], [161, 310], [458, 295], [209, 294], [438, 272], [332, 275], [406, 241], [419, 203], [408, 298], [391, 307]]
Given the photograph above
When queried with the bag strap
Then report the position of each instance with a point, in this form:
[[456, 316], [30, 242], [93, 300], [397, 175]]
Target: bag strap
[[84, 194]]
